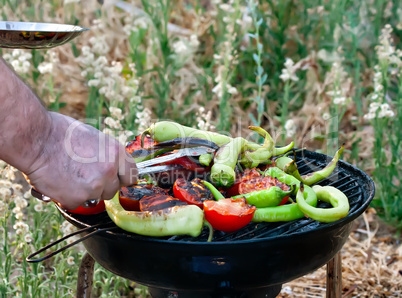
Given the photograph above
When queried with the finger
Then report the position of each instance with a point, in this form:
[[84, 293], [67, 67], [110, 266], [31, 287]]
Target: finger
[[111, 189], [128, 172]]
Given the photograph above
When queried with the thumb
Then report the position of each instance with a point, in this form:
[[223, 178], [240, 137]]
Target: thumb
[[128, 172]]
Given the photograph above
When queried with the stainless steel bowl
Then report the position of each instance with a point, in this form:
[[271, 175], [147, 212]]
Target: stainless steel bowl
[[28, 35]]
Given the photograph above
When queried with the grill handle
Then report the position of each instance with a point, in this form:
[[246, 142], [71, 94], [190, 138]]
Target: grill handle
[[96, 229]]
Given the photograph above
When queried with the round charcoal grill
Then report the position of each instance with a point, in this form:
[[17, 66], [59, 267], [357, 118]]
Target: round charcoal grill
[[252, 262]]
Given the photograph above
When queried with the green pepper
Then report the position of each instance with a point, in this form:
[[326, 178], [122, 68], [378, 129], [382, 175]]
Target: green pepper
[[216, 193], [251, 159], [178, 220], [167, 130], [266, 197], [222, 172], [284, 212], [289, 166], [328, 194], [283, 150]]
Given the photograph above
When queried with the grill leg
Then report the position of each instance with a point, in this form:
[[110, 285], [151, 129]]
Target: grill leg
[[334, 277], [85, 277]]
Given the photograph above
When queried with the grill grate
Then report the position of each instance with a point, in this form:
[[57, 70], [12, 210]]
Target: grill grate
[[346, 178], [340, 179]]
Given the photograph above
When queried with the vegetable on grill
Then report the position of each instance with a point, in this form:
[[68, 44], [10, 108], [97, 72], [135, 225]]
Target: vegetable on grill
[[193, 192], [178, 220], [222, 171], [284, 212], [289, 166], [266, 197], [100, 207], [329, 194], [227, 214]]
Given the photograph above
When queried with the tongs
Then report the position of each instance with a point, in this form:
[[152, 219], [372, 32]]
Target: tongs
[[148, 166]]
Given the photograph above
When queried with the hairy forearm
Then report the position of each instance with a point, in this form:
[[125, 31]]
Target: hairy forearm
[[24, 122]]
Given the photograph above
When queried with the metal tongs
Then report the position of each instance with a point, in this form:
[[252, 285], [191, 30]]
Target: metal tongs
[[148, 166]]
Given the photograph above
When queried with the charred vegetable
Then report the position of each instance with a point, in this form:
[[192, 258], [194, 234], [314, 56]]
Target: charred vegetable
[[193, 192], [179, 220]]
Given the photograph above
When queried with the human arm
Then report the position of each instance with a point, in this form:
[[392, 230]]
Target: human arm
[[61, 157]]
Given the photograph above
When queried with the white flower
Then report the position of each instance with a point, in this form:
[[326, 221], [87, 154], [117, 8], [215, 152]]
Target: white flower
[[28, 238], [180, 47], [38, 207], [70, 260], [194, 41], [112, 123], [326, 116], [5, 194], [290, 127], [288, 73], [116, 113], [379, 110], [45, 67], [339, 100], [226, 7], [232, 90]]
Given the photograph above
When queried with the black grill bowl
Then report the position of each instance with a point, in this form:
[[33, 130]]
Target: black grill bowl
[[257, 257]]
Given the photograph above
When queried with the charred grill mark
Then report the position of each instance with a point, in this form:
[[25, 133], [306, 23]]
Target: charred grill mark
[[158, 202]]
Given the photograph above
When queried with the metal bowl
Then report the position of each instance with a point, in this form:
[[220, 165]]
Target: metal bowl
[[28, 35]]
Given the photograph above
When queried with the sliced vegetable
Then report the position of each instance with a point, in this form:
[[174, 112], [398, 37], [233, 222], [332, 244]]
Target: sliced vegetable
[[261, 183], [136, 143], [130, 196], [245, 176], [100, 207], [228, 215], [192, 192], [159, 202], [179, 220]]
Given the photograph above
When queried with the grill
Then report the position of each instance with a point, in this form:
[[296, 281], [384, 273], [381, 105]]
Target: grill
[[252, 262]]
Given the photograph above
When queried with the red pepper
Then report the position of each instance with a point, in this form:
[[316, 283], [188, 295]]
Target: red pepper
[[136, 143], [100, 207], [193, 192], [228, 215]]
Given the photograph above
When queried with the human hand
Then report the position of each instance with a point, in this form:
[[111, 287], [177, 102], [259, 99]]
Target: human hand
[[79, 163]]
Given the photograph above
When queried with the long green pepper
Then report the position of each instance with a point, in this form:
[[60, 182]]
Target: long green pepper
[[328, 194], [178, 220]]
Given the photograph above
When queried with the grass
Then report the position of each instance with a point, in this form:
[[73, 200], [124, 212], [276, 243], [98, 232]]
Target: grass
[[213, 63]]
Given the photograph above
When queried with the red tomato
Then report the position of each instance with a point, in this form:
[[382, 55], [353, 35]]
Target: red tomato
[[100, 207], [260, 183], [228, 215], [245, 176], [193, 192], [136, 143], [130, 196]]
